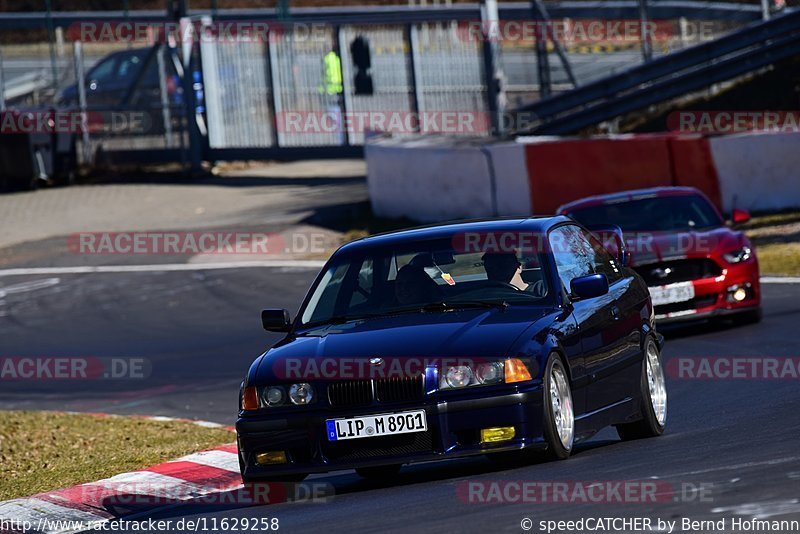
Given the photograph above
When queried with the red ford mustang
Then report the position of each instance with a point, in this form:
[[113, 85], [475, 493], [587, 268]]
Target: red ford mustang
[[696, 265]]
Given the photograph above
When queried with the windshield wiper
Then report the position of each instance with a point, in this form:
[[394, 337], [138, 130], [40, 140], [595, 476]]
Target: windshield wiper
[[460, 304]]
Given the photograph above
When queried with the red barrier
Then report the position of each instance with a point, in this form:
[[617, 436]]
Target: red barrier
[[563, 171], [692, 165]]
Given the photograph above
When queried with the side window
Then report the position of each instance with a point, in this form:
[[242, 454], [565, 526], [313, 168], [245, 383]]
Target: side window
[[603, 262], [572, 252]]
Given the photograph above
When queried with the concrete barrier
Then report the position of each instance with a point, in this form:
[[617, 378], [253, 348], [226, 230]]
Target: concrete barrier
[[759, 172], [434, 178], [437, 178]]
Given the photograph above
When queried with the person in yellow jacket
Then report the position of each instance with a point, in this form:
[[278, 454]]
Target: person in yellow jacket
[[332, 88]]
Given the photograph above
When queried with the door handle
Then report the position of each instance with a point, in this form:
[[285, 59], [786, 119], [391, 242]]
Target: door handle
[[615, 313]]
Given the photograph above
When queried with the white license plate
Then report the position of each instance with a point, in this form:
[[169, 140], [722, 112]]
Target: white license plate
[[671, 293], [370, 426]]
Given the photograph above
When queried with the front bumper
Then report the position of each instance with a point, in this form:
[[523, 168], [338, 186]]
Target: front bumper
[[454, 425], [712, 296]]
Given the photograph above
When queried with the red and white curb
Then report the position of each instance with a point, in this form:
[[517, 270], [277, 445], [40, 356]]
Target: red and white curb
[[128, 495]]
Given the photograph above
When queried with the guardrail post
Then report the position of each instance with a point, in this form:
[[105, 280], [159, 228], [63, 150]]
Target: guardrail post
[[644, 31], [80, 77]]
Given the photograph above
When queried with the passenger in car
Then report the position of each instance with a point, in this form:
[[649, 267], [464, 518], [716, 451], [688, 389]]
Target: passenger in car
[[414, 286]]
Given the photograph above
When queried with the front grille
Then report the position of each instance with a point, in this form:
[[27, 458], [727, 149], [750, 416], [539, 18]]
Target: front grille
[[399, 389], [350, 393], [386, 390], [359, 449], [670, 272], [693, 304]]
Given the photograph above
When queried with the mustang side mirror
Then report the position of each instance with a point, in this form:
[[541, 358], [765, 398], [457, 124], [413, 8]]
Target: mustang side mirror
[[587, 287], [612, 238], [740, 216], [276, 320]]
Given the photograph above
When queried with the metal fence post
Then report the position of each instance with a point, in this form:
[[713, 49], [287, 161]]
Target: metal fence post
[[166, 114], [344, 99], [492, 74], [647, 46], [80, 76], [416, 94], [2, 84]]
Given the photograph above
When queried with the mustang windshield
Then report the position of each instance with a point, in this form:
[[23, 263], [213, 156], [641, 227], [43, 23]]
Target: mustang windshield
[[653, 214], [424, 276]]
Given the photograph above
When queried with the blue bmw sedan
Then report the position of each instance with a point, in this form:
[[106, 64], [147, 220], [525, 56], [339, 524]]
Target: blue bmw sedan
[[455, 340]]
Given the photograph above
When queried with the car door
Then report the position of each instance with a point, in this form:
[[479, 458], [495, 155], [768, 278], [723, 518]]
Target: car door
[[604, 340], [615, 377]]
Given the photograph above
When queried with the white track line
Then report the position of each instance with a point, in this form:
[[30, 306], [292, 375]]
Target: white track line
[[780, 279], [309, 264]]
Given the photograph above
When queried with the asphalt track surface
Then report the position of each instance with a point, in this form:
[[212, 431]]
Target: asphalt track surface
[[730, 449]]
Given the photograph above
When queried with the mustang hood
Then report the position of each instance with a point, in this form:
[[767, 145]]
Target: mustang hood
[[460, 334], [653, 247]]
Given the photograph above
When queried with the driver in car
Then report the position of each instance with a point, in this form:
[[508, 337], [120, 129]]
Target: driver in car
[[504, 267]]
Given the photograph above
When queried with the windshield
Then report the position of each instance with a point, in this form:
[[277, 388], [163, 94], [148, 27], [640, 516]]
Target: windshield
[[653, 214], [424, 276]]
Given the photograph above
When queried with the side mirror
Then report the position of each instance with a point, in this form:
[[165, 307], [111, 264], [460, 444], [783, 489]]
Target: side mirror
[[740, 216], [276, 320], [613, 241], [587, 287]]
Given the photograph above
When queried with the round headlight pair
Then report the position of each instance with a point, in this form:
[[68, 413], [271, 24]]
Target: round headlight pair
[[300, 394], [460, 376]]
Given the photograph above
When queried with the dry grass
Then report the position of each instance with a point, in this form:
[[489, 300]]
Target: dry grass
[[42, 451]]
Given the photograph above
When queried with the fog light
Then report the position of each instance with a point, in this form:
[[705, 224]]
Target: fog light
[[500, 433], [271, 457], [738, 293]]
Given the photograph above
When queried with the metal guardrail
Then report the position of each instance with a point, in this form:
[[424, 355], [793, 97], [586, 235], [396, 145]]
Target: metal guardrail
[[735, 54], [614, 9]]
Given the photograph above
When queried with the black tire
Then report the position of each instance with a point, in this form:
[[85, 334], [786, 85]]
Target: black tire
[[381, 473], [648, 426], [556, 449]]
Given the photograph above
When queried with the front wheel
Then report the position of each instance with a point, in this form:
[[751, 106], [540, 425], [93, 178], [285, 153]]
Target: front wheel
[[654, 398], [559, 416]]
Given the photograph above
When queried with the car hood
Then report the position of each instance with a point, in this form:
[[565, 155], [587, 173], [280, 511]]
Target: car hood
[[471, 334], [653, 247]]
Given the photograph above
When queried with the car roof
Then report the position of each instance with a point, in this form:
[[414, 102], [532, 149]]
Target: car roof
[[633, 194], [447, 230]]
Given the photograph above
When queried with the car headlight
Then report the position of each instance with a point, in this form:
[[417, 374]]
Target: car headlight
[[489, 373], [458, 376], [461, 376], [273, 396], [738, 256], [301, 394]]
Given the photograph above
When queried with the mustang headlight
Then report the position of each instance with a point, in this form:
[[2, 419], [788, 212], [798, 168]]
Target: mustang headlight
[[302, 393], [738, 256]]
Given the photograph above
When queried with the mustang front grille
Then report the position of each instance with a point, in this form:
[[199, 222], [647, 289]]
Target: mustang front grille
[[670, 272]]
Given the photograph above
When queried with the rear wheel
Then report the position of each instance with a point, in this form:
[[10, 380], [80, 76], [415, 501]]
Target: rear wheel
[[654, 398], [559, 417], [380, 473]]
